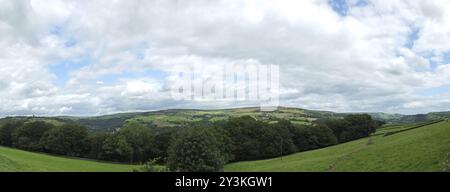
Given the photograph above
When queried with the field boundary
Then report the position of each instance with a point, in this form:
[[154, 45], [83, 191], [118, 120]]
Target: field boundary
[[411, 128]]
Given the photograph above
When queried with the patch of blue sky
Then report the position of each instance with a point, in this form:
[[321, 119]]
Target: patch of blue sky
[[430, 56], [361, 3], [437, 90], [140, 50], [339, 6], [342, 7], [62, 69], [432, 67], [446, 58], [58, 30], [433, 62], [412, 37], [70, 42]]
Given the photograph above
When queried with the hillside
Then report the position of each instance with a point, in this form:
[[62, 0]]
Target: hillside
[[425, 148], [184, 117], [13, 160]]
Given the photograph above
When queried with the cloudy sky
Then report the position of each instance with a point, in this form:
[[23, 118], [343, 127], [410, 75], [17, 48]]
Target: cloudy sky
[[97, 57]]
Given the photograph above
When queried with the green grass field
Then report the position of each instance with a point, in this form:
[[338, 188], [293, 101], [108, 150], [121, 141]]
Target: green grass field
[[423, 149], [13, 160]]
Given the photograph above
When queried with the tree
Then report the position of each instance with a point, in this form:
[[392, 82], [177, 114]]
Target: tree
[[322, 136], [132, 143], [353, 127], [313, 137], [338, 126], [29, 135], [224, 140], [364, 123], [302, 139], [140, 140], [161, 144], [6, 132], [67, 139], [195, 149], [116, 148], [95, 142], [275, 140], [245, 133]]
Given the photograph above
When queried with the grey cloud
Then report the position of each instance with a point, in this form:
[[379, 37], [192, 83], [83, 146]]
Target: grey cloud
[[352, 63]]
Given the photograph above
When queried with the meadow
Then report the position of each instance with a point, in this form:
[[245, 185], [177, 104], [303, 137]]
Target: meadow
[[14, 160], [426, 148]]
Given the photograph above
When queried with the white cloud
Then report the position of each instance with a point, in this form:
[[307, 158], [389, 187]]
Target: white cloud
[[357, 62]]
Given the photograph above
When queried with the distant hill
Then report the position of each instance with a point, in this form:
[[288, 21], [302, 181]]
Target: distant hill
[[183, 117]]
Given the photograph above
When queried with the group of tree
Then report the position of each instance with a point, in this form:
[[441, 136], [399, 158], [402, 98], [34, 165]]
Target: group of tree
[[132, 143], [40, 136], [204, 146], [245, 138], [353, 127]]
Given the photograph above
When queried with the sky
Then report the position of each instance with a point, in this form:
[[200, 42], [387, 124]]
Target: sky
[[80, 57]]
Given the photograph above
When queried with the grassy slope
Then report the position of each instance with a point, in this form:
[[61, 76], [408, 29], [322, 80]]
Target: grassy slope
[[17, 160], [422, 149]]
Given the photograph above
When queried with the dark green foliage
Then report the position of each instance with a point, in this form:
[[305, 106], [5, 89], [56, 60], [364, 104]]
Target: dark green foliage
[[140, 140], [132, 143], [313, 137], [117, 148], [95, 143], [161, 145], [353, 127], [29, 135], [301, 139], [6, 132], [245, 133], [322, 136], [252, 139], [380, 123], [197, 146], [65, 140], [338, 126], [276, 140], [225, 143], [195, 149]]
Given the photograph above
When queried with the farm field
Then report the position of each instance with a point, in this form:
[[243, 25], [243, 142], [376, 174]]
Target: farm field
[[424, 148], [14, 160]]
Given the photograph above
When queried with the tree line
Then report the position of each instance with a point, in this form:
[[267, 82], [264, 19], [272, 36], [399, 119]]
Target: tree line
[[203, 146], [132, 143], [208, 148]]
